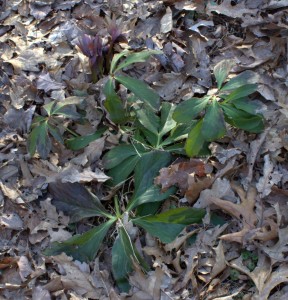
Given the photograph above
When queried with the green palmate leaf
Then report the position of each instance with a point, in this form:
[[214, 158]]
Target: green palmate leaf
[[186, 111], [82, 247], [242, 119], [49, 107], [118, 154], [150, 137], [76, 201], [123, 253], [247, 105], [113, 104], [195, 141], [167, 226], [135, 58], [141, 90], [246, 77], [80, 142], [167, 123], [43, 141], [54, 131], [213, 126], [241, 92], [122, 171], [33, 137], [222, 70], [148, 119], [146, 170]]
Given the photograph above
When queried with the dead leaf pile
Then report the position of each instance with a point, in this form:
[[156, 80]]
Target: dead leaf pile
[[40, 63]]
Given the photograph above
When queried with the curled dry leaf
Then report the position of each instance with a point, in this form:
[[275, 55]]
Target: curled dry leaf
[[191, 177]]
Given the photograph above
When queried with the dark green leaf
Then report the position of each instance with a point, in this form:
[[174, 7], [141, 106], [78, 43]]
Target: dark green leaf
[[135, 58], [121, 266], [246, 77], [43, 142], [241, 92], [141, 90], [82, 247], [146, 170], [118, 154], [222, 70], [186, 111], [149, 137], [33, 137], [247, 105], [213, 126], [54, 131], [242, 119], [148, 119], [113, 104], [76, 201], [122, 171], [123, 253], [167, 226], [195, 140], [80, 142]]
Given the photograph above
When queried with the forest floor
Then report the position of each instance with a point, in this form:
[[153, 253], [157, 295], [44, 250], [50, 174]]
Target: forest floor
[[243, 253]]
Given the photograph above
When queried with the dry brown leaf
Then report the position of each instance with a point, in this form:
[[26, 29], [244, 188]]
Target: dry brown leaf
[[46, 83], [191, 177], [24, 267], [74, 279], [244, 212]]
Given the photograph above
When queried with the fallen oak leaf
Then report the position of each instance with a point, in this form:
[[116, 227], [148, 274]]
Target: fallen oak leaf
[[244, 212]]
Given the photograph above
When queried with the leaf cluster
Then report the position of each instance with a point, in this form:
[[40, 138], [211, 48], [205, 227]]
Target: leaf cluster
[[47, 126], [229, 105]]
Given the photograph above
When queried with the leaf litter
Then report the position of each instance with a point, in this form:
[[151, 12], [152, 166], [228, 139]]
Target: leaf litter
[[39, 63]]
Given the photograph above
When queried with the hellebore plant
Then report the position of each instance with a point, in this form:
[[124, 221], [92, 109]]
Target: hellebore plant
[[100, 53]]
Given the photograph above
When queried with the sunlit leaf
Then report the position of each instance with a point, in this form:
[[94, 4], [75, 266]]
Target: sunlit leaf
[[241, 92], [82, 247], [195, 140], [167, 123], [135, 58], [115, 60], [141, 90], [222, 70], [244, 78], [213, 126], [186, 111], [242, 119], [167, 226], [76, 201]]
